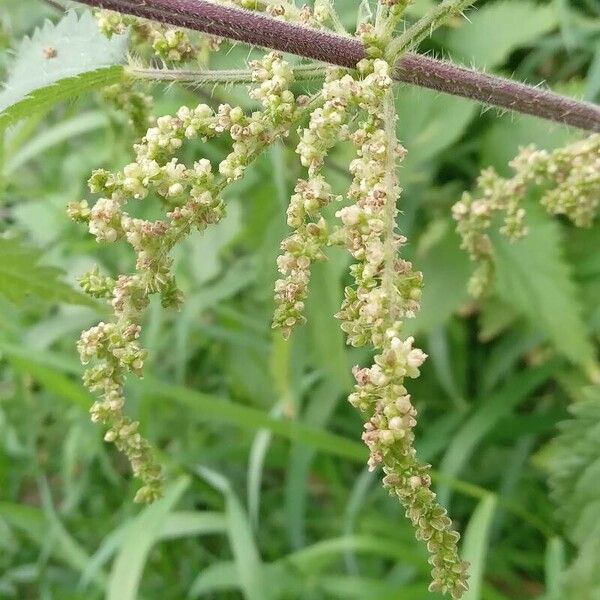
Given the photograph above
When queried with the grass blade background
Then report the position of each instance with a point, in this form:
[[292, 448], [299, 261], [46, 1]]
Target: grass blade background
[[144, 531], [475, 545], [241, 538]]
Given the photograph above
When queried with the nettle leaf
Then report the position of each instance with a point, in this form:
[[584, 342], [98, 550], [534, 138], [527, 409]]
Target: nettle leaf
[[424, 126], [446, 269], [533, 277], [492, 32], [22, 277], [574, 471], [59, 62]]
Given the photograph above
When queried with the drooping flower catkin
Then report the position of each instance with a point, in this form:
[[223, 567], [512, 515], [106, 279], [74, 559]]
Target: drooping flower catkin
[[386, 290], [569, 183], [191, 197]]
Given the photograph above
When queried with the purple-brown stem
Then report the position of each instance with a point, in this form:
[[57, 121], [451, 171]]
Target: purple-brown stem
[[261, 30]]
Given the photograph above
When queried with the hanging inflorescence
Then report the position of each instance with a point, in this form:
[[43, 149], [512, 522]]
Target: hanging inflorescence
[[355, 106], [567, 181], [191, 197], [386, 291]]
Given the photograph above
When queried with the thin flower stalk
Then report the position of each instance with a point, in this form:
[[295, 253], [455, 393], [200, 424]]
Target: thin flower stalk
[[425, 26], [219, 77], [386, 292]]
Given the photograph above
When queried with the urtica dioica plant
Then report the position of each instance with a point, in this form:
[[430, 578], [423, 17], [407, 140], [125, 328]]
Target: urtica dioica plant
[[354, 105]]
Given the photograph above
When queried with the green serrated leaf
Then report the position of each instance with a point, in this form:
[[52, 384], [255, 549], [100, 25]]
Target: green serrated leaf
[[446, 271], [59, 62], [533, 277], [491, 33], [22, 277], [574, 469], [424, 126]]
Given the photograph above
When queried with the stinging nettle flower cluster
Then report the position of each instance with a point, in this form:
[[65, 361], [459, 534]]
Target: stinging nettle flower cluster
[[191, 197], [169, 44], [567, 181], [386, 290], [355, 106]]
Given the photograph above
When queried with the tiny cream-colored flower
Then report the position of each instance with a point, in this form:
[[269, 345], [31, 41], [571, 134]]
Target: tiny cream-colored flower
[[569, 181]]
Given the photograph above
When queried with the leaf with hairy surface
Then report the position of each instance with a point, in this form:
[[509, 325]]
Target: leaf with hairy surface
[[550, 299], [574, 471], [22, 277], [59, 62]]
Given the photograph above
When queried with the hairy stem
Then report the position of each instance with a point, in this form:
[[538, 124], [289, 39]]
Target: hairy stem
[[261, 30], [381, 17], [218, 77], [497, 91], [392, 191]]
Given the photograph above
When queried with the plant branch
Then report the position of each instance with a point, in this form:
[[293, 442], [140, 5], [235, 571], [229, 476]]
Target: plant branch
[[261, 30], [426, 26], [218, 77], [392, 191]]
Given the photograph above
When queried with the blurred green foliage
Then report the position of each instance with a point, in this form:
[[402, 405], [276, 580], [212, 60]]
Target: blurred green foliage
[[269, 497]]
